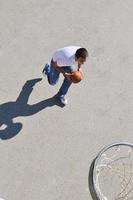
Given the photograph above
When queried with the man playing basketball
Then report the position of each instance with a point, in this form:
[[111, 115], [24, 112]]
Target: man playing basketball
[[65, 61]]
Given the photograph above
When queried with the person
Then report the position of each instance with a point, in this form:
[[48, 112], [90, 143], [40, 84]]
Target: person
[[65, 60]]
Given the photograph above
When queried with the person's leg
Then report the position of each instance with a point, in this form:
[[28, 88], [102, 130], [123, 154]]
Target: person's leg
[[65, 86], [52, 73]]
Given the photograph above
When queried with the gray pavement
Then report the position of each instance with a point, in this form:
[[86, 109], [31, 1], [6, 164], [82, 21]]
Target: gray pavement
[[46, 150]]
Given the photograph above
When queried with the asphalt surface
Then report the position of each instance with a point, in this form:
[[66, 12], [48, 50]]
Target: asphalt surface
[[45, 149]]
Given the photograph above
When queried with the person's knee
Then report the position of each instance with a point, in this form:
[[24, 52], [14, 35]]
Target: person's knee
[[52, 82]]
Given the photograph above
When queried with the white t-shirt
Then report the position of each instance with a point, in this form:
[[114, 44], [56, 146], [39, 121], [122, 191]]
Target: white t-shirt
[[65, 56]]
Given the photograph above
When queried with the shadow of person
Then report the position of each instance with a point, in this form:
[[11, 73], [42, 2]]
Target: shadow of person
[[20, 107]]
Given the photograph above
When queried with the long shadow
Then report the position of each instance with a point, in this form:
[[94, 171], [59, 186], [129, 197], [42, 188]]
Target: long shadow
[[20, 107]]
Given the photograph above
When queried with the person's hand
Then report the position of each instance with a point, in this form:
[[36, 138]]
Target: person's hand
[[81, 71], [68, 76]]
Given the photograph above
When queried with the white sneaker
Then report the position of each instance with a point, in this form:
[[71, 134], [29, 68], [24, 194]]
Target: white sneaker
[[63, 100]]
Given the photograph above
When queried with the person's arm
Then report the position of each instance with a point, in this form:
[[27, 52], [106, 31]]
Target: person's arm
[[60, 69], [80, 70], [55, 65]]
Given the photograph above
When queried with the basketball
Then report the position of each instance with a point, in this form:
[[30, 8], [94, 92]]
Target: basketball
[[76, 77]]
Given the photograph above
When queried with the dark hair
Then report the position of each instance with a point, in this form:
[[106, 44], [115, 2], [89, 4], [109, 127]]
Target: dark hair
[[81, 52]]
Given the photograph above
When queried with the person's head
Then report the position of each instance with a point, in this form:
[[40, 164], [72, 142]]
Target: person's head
[[81, 55]]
